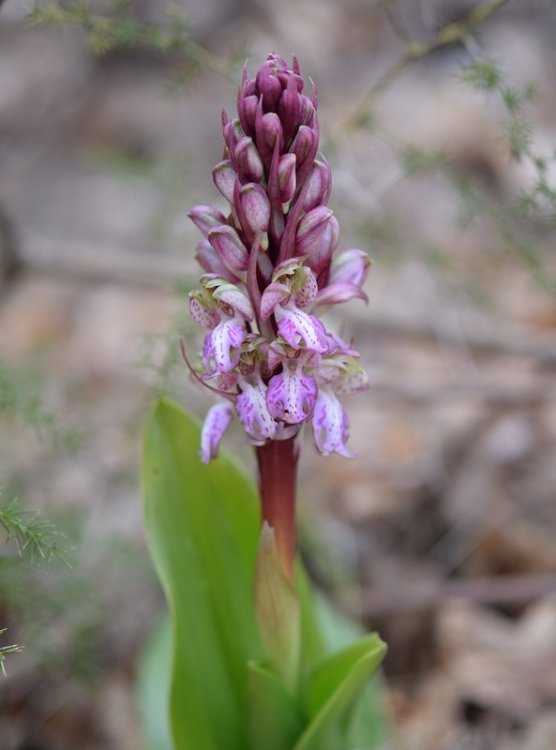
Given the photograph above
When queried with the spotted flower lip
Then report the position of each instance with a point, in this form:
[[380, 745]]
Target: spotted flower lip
[[270, 265], [292, 394]]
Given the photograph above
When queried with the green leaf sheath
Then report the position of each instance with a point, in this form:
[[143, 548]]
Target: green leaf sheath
[[202, 527]]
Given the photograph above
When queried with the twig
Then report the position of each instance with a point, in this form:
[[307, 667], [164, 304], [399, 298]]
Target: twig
[[13, 648], [503, 590], [498, 396], [482, 340], [162, 270], [414, 51]]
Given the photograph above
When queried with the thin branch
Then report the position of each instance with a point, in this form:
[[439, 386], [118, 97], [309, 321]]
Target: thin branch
[[159, 270], [500, 590], [13, 648], [123, 31], [452, 33]]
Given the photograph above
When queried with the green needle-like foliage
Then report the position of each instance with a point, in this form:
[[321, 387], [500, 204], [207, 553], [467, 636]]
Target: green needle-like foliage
[[32, 533], [6, 651]]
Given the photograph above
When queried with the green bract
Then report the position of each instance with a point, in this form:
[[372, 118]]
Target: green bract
[[203, 531]]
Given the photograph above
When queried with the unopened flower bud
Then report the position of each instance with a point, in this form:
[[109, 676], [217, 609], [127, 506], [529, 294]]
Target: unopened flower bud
[[286, 179], [227, 243], [206, 218], [320, 253], [247, 108], [248, 160], [302, 143], [255, 207], [270, 89], [272, 129], [306, 111], [288, 109], [350, 267], [210, 261], [224, 178], [233, 133], [311, 229], [317, 186]]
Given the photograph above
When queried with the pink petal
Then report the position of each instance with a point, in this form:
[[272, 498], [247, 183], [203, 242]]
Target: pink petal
[[351, 267], [335, 294], [300, 330], [307, 293], [203, 315], [273, 295], [221, 350], [231, 295]]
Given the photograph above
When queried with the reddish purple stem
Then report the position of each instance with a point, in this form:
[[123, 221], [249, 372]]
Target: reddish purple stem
[[277, 461]]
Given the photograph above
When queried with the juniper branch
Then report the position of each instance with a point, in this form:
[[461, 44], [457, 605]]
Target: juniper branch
[[13, 648], [31, 532], [451, 33], [122, 31], [20, 396]]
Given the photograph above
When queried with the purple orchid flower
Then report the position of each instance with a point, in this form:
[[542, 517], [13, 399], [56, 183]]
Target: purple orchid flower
[[271, 263]]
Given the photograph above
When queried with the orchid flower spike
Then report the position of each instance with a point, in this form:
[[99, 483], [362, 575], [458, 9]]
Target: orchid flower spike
[[270, 264]]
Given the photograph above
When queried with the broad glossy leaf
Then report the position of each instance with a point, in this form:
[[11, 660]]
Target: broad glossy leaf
[[202, 528]]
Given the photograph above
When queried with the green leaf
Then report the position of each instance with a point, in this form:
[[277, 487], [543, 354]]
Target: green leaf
[[325, 631], [202, 528], [153, 688], [332, 693], [275, 718]]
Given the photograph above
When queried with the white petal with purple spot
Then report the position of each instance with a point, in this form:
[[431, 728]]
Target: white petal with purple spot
[[330, 425], [253, 412], [300, 330], [215, 425], [291, 394]]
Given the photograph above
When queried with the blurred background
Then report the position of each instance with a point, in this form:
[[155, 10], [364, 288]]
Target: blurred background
[[439, 120]]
